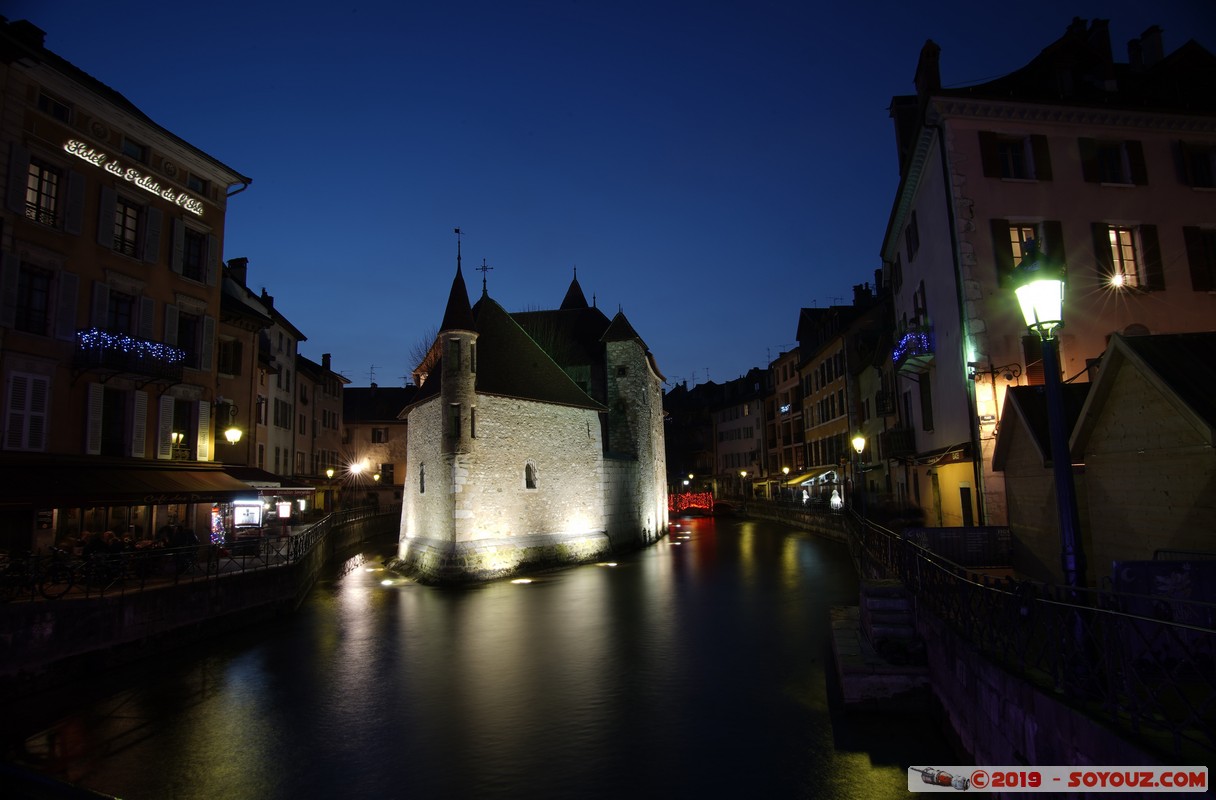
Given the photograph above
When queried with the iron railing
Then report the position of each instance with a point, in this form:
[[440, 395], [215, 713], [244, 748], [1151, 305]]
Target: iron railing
[[60, 575], [1145, 665]]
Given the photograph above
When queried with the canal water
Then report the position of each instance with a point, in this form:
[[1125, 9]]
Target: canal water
[[699, 667]]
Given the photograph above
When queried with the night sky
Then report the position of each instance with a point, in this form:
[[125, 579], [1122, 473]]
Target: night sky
[[709, 167]]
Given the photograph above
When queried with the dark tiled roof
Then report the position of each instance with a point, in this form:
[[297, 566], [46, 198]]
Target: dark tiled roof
[[457, 316], [372, 403], [511, 363], [1185, 363], [571, 336], [1031, 408], [574, 296]]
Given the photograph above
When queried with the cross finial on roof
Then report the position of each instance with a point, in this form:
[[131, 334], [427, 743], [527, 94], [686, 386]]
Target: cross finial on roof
[[483, 269]]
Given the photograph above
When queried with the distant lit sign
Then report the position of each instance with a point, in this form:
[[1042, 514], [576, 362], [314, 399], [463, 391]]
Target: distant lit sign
[[785, 409], [247, 514], [145, 182]]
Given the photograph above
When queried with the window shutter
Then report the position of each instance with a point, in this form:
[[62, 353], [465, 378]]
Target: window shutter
[[1002, 251], [65, 309], [101, 305], [147, 308], [179, 246], [164, 428], [105, 217], [1135, 161], [1052, 233], [1042, 158], [139, 424], [1089, 160], [1154, 270], [989, 156], [150, 251], [1201, 256], [10, 274], [92, 443], [73, 212], [28, 396], [1032, 355], [212, 260], [207, 357], [18, 178], [1102, 256], [203, 450], [171, 325]]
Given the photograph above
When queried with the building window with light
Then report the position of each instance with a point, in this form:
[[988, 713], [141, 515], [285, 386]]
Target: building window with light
[[42, 192], [1129, 257], [1009, 240], [1201, 257]]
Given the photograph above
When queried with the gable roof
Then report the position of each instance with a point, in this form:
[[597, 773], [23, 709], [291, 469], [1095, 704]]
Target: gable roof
[[1182, 366], [512, 364], [375, 403], [1026, 410]]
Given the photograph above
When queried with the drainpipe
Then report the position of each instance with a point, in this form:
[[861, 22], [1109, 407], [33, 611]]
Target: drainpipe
[[977, 453]]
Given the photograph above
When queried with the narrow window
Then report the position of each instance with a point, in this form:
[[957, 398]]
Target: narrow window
[[194, 256], [454, 420], [472, 423], [422, 479], [42, 192], [1124, 258], [473, 357], [454, 352], [126, 226], [529, 476]]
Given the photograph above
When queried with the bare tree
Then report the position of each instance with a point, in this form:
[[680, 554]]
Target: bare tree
[[423, 353]]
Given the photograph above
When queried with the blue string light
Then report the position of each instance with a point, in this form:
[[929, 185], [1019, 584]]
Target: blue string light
[[105, 341]]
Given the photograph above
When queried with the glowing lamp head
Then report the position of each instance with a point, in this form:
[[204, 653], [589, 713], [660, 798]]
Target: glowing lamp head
[[233, 435], [1039, 285], [329, 473], [743, 473], [785, 470], [859, 443]]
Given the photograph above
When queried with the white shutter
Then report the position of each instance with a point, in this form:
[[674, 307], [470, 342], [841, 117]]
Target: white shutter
[[178, 256], [92, 441], [171, 325], [105, 217], [100, 315], [139, 424], [147, 307], [204, 431], [10, 274], [149, 249], [18, 177], [73, 216], [207, 356], [28, 397], [211, 260], [164, 428]]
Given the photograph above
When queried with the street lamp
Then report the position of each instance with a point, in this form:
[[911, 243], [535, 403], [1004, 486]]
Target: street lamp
[[743, 483], [1039, 284], [859, 444]]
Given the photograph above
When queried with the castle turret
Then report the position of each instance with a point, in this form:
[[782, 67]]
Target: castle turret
[[457, 345]]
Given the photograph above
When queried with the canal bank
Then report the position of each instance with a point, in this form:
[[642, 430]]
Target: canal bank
[[699, 666], [45, 644]]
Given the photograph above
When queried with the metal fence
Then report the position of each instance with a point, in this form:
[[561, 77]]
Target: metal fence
[[59, 574], [1145, 665]]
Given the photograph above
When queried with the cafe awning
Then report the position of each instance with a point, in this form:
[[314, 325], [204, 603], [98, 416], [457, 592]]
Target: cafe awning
[[263, 480], [808, 477], [83, 483]]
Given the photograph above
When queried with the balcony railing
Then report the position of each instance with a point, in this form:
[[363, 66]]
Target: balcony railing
[[914, 350], [898, 442], [119, 352]]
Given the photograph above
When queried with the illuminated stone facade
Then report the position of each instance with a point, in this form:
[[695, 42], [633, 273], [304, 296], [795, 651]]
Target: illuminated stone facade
[[535, 439]]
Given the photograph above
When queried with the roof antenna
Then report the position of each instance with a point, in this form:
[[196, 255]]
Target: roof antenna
[[483, 269]]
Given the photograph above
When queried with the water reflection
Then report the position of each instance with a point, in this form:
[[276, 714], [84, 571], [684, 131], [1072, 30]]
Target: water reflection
[[694, 668]]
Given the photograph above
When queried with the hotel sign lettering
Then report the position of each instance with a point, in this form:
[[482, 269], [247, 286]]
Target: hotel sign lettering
[[145, 182]]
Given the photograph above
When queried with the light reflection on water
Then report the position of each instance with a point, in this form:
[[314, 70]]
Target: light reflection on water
[[693, 669]]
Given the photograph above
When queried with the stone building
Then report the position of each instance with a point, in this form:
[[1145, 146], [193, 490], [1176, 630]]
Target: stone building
[[535, 438], [1108, 165]]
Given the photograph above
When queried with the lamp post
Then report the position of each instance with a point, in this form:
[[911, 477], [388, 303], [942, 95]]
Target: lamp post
[[1039, 284], [743, 483], [859, 445]]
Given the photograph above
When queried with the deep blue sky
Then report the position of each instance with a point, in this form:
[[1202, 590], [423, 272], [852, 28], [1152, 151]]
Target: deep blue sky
[[709, 167]]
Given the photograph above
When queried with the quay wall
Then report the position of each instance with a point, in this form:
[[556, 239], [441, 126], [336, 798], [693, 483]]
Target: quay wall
[[47, 643], [996, 717]]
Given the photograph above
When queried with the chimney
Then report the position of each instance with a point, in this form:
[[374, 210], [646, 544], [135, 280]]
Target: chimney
[[861, 294], [325, 361], [928, 77], [1152, 46], [238, 270], [267, 299], [28, 33]]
